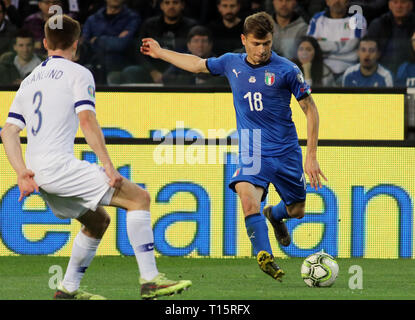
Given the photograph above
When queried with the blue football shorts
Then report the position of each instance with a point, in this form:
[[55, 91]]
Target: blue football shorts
[[285, 172]]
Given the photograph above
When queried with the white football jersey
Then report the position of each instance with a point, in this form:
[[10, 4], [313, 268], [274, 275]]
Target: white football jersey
[[47, 104], [338, 38]]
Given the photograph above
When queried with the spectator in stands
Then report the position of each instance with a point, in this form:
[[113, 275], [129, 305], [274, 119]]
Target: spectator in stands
[[228, 29], [145, 8], [249, 7], [289, 27], [405, 76], [371, 9], [15, 66], [338, 34], [84, 8], [7, 30], [36, 23], [305, 8], [203, 11], [170, 29], [109, 34], [368, 73], [393, 30], [199, 43], [310, 60], [19, 10]]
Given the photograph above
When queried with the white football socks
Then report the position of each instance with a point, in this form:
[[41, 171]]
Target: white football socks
[[140, 234], [83, 251]]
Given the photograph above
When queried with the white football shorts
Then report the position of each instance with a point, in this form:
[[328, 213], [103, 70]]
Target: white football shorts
[[78, 186]]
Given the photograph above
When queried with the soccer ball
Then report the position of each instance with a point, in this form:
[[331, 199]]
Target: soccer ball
[[319, 270]]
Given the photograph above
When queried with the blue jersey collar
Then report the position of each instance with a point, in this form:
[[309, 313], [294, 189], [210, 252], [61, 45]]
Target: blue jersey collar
[[255, 66], [51, 57]]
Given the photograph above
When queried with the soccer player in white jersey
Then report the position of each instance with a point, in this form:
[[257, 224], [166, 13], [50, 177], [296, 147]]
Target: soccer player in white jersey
[[57, 96]]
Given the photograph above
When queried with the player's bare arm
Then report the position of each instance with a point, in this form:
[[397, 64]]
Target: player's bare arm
[[312, 168], [95, 139], [188, 62], [10, 135]]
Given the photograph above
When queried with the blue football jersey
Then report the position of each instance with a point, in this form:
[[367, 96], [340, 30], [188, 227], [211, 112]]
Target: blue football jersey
[[405, 77], [262, 96], [353, 77]]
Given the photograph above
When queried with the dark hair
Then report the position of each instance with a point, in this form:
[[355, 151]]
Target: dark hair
[[259, 24], [62, 38], [317, 63], [371, 39], [23, 33], [199, 31], [3, 6], [219, 1]]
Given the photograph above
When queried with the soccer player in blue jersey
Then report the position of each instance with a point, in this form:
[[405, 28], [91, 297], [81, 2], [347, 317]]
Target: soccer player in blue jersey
[[262, 84]]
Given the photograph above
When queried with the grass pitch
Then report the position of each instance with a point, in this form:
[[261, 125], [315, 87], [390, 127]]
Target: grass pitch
[[28, 278]]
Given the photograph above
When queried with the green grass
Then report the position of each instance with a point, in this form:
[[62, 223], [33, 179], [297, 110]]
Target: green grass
[[27, 278]]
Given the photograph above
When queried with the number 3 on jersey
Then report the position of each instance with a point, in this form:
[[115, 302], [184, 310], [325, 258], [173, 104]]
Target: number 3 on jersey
[[37, 102], [255, 101]]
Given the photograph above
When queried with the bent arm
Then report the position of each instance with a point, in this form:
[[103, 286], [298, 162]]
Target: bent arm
[[94, 136], [310, 110], [312, 168], [10, 135]]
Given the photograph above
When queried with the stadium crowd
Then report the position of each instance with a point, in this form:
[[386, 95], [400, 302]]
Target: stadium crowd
[[336, 43]]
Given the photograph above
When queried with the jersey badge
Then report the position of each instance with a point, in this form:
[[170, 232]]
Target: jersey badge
[[269, 78], [91, 91], [252, 79]]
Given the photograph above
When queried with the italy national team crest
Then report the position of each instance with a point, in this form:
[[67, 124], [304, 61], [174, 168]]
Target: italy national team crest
[[269, 78]]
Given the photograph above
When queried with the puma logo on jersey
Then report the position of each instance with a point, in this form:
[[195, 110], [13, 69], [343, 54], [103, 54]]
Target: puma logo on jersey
[[236, 72]]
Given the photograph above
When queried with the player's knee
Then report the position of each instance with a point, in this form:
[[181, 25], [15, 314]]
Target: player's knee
[[145, 198], [98, 228], [250, 206], [142, 199]]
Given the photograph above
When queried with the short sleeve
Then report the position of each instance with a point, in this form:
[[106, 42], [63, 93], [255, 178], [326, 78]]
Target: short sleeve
[[16, 113], [217, 66], [84, 91], [297, 84]]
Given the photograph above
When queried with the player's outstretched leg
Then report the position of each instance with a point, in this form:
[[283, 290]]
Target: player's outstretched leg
[[140, 233], [280, 229], [83, 251], [266, 263]]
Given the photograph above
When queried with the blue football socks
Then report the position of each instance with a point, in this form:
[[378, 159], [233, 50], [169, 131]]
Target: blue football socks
[[258, 233], [279, 212]]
